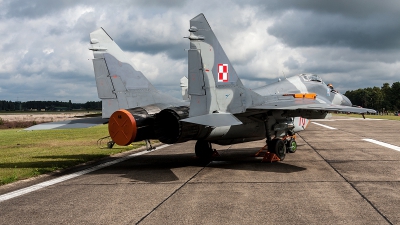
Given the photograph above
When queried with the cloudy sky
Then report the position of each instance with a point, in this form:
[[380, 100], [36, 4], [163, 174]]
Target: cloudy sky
[[44, 43]]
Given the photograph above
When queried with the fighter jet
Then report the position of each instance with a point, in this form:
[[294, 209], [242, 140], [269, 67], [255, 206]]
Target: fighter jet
[[217, 107]]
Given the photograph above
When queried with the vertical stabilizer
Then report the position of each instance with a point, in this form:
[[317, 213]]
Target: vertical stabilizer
[[119, 85], [214, 85]]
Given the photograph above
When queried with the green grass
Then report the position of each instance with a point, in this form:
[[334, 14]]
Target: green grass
[[25, 154], [390, 117]]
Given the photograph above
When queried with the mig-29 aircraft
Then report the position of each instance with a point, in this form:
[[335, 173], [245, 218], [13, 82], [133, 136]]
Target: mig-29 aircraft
[[220, 109]]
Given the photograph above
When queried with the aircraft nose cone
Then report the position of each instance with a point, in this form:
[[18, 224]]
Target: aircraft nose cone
[[346, 101]]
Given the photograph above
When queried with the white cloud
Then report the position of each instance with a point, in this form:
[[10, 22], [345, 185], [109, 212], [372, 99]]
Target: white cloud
[[45, 50], [159, 68], [48, 51]]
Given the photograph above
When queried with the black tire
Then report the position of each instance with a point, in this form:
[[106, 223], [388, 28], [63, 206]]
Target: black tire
[[291, 146], [278, 147], [203, 149]]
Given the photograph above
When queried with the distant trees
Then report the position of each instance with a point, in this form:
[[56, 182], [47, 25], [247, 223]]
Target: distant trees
[[385, 98], [7, 105], [48, 105], [92, 105]]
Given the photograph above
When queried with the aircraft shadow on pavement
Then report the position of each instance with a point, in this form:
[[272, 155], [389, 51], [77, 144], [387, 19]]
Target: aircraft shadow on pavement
[[159, 168], [243, 159]]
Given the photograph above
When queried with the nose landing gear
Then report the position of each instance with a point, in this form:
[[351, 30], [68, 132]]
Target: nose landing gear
[[291, 146]]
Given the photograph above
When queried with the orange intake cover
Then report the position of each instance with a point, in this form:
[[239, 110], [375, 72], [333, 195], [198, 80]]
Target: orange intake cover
[[122, 127]]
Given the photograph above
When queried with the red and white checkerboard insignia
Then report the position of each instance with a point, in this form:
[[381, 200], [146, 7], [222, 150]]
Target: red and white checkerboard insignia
[[223, 75]]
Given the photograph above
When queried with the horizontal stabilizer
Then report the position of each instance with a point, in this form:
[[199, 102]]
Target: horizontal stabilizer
[[214, 120], [69, 124]]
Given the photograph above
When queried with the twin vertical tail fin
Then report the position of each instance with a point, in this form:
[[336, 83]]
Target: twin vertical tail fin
[[214, 86], [119, 85], [213, 82]]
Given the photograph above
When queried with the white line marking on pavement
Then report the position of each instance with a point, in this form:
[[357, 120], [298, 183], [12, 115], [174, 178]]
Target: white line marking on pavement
[[36, 187], [322, 125], [362, 119], [394, 147], [324, 120], [345, 119]]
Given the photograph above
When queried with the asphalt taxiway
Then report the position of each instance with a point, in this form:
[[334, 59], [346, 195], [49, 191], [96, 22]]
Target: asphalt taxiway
[[335, 177]]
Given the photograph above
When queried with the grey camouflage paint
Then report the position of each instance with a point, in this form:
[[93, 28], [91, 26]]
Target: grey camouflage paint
[[225, 112], [119, 85], [265, 107]]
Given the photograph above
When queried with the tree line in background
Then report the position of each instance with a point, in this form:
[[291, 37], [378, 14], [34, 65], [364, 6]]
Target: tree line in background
[[48, 106], [386, 98]]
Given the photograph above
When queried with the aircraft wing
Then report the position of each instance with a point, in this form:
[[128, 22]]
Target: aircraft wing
[[291, 103], [69, 124]]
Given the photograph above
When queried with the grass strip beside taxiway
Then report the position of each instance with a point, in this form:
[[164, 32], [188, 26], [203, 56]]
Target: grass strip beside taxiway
[[25, 154]]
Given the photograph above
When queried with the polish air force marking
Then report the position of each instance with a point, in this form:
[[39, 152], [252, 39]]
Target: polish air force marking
[[223, 75]]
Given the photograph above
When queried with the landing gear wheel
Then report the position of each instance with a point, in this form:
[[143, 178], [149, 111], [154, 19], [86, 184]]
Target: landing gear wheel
[[203, 149], [278, 147], [291, 146]]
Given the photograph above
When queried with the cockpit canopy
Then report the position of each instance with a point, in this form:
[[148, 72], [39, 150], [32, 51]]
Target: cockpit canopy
[[311, 77]]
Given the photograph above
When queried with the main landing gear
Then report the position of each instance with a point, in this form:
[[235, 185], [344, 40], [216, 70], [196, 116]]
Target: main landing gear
[[204, 150], [276, 149]]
